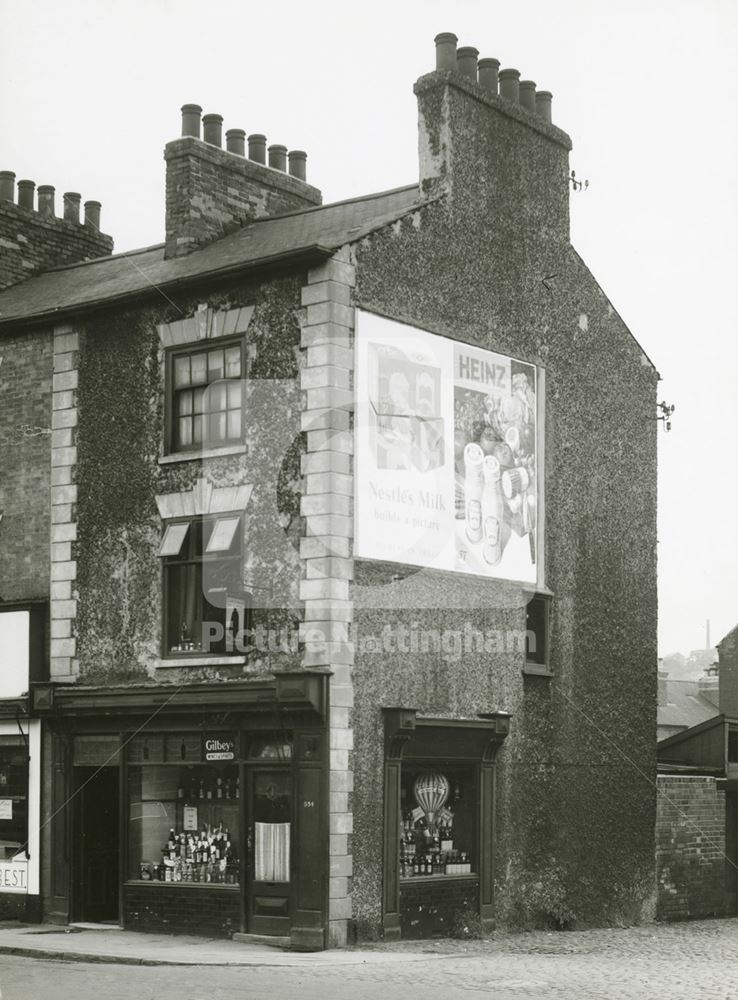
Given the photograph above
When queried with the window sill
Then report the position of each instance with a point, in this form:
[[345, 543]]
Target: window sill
[[537, 670], [192, 456], [213, 660], [440, 877]]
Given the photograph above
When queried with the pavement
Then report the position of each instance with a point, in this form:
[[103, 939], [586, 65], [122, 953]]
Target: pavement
[[99, 943]]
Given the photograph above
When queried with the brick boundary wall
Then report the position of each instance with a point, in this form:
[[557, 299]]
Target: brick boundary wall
[[327, 506], [690, 847], [64, 665]]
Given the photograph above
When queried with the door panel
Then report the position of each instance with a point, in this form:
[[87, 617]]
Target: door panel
[[97, 839], [270, 850]]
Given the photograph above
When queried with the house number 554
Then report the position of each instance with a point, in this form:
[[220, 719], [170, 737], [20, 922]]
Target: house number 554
[[307, 804]]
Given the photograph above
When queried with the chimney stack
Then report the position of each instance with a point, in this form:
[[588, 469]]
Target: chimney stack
[[486, 142], [92, 215], [35, 239], [211, 191]]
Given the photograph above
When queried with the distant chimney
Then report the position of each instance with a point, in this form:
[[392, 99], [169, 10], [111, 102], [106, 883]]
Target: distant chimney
[[486, 141], [33, 240], [211, 191]]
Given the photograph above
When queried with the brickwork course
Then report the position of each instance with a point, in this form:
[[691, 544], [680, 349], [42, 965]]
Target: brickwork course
[[690, 847]]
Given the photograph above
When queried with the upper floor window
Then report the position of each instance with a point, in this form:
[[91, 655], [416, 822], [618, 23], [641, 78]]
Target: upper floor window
[[205, 606], [538, 634], [205, 395]]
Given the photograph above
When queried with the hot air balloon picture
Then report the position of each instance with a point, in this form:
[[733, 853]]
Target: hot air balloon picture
[[431, 791]]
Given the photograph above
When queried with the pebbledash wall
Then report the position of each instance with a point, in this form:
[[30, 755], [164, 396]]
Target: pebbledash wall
[[491, 264], [690, 847]]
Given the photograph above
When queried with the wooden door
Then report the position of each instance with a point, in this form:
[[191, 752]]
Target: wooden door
[[270, 850], [96, 837]]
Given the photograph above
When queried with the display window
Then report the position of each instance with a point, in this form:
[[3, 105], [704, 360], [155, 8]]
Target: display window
[[13, 797], [438, 819], [184, 822]]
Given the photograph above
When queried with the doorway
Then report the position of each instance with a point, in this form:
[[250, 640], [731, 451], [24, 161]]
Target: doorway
[[96, 842], [270, 844]]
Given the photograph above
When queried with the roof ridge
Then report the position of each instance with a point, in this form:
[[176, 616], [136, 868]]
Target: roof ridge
[[96, 260], [336, 204]]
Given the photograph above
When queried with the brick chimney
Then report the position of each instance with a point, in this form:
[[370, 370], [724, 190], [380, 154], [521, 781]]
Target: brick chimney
[[211, 191], [486, 140], [34, 238]]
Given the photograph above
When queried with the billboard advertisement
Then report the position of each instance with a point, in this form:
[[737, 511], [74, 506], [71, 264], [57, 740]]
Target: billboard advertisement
[[446, 462]]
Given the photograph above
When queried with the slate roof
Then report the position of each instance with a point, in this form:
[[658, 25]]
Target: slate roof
[[685, 707], [107, 279]]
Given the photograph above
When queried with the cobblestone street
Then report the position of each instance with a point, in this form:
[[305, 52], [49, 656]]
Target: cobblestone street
[[695, 961]]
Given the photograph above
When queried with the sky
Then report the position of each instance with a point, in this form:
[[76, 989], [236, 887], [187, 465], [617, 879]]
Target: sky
[[90, 92]]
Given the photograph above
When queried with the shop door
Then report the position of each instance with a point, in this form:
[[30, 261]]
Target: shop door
[[96, 839], [269, 851]]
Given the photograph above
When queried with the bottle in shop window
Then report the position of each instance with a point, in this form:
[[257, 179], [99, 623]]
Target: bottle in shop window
[[219, 789], [228, 788], [238, 787], [209, 793], [201, 792]]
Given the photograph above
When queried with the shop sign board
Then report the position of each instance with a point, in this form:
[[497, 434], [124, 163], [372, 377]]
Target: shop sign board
[[219, 747], [447, 472], [13, 876]]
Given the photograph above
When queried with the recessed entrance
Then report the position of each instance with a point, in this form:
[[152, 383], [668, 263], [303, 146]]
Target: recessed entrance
[[95, 844]]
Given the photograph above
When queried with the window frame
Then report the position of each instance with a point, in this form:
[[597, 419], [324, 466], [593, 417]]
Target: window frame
[[195, 560], [188, 349], [541, 664]]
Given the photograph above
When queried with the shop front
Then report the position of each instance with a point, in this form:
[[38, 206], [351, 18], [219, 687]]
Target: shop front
[[192, 810], [20, 785], [439, 821]]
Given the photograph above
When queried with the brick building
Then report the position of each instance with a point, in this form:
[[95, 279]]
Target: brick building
[[343, 518]]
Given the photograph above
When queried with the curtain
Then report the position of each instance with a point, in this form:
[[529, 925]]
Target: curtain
[[272, 852]]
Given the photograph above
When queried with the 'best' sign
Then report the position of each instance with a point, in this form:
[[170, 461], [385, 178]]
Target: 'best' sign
[[13, 876]]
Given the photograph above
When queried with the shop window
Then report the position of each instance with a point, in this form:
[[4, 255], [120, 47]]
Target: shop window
[[184, 823], [438, 820], [537, 634], [23, 645], [206, 608], [205, 396], [13, 797]]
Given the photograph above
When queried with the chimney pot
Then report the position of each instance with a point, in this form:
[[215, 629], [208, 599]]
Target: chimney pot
[[191, 120], [278, 157], [236, 141], [46, 200], [212, 129], [7, 185], [25, 194], [257, 147], [466, 61], [543, 104], [527, 92], [510, 85], [298, 160], [72, 201], [446, 50], [92, 215], [488, 70]]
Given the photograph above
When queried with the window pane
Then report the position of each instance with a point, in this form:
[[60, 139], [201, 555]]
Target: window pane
[[215, 365], [272, 816], [184, 402], [184, 607], [198, 428], [199, 369], [185, 432], [234, 395], [222, 534], [14, 793], [173, 537], [233, 362], [184, 823], [218, 427], [198, 401], [234, 425], [217, 397], [181, 371]]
